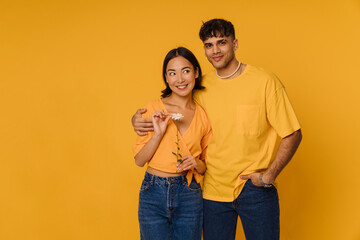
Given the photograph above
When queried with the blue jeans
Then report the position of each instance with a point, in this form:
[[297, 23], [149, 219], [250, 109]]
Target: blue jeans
[[258, 208], [170, 209]]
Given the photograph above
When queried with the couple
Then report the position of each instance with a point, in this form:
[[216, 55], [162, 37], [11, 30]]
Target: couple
[[248, 109]]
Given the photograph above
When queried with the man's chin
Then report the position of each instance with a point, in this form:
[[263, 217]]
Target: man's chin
[[217, 65]]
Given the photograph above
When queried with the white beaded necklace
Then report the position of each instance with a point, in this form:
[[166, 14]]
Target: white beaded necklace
[[230, 74]]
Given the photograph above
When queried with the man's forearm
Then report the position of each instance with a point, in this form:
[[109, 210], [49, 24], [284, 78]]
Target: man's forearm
[[285, 152]]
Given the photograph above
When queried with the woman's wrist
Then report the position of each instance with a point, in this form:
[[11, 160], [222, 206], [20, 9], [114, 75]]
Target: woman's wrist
[[200, 166], [157, 136]]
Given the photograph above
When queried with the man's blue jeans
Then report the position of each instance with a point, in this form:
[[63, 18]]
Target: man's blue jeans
[[170, 209], [258, 208]]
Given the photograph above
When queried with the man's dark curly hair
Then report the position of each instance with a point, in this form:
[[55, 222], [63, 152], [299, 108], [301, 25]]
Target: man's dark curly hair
[[216, 28]]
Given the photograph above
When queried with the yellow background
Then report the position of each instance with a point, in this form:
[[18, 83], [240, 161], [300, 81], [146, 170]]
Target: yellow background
[[73, 72]]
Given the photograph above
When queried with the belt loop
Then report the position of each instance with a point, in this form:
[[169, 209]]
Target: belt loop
[[152, 179]]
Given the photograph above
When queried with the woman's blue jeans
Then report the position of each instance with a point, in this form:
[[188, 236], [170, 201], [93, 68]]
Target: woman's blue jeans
[[258, 208], [170, 209]]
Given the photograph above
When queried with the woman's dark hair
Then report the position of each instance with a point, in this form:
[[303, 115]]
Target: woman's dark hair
[[188, 55], [216, 28]]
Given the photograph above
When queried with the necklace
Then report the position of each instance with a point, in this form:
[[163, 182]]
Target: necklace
[[230, 74]]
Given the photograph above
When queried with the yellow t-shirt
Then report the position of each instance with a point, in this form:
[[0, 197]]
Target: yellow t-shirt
[[247, 114], [194, 141]]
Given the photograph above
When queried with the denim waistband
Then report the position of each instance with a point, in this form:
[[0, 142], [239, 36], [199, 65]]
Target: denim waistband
[[163, 180]]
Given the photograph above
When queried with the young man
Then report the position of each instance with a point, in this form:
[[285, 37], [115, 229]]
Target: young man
[[248, 108]]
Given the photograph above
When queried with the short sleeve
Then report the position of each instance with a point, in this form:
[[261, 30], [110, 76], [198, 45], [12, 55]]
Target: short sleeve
[[206, 137], [207, 134], [281, 114]]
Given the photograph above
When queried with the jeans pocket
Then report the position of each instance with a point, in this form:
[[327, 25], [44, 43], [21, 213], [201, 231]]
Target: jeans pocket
[[144, 186], [258, 187], [194, 186]]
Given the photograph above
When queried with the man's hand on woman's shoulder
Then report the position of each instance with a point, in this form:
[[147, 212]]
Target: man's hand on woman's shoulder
[[141, 125]]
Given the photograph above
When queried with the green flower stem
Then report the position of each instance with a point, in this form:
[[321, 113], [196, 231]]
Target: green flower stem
[[177, 142], [177, 154]]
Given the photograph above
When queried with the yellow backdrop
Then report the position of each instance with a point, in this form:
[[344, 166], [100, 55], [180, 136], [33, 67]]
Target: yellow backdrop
[[73, 72]]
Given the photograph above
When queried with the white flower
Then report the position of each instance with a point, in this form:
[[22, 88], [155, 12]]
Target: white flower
[[177, 116]]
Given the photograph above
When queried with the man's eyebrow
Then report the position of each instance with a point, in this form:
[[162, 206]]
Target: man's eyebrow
[[221, 40]]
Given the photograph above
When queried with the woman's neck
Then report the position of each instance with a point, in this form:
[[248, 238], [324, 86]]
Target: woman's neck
[[181, 101]]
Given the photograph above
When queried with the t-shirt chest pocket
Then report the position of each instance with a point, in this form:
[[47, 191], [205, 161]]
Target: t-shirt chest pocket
[[248, 120]]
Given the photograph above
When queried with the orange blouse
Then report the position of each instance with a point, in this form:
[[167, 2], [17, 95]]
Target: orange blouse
[[194, 141]]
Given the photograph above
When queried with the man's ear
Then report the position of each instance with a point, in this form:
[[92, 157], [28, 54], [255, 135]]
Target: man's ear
[[235, 44]]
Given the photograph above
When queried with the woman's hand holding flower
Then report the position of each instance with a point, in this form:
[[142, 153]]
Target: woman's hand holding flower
[[160, 121]]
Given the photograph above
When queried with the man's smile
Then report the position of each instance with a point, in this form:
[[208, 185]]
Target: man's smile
[[217, 58]]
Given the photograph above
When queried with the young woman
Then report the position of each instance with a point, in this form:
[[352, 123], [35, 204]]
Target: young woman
[[170, 201]]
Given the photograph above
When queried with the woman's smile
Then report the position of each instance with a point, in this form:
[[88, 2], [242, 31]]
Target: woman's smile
[[182, 87]]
